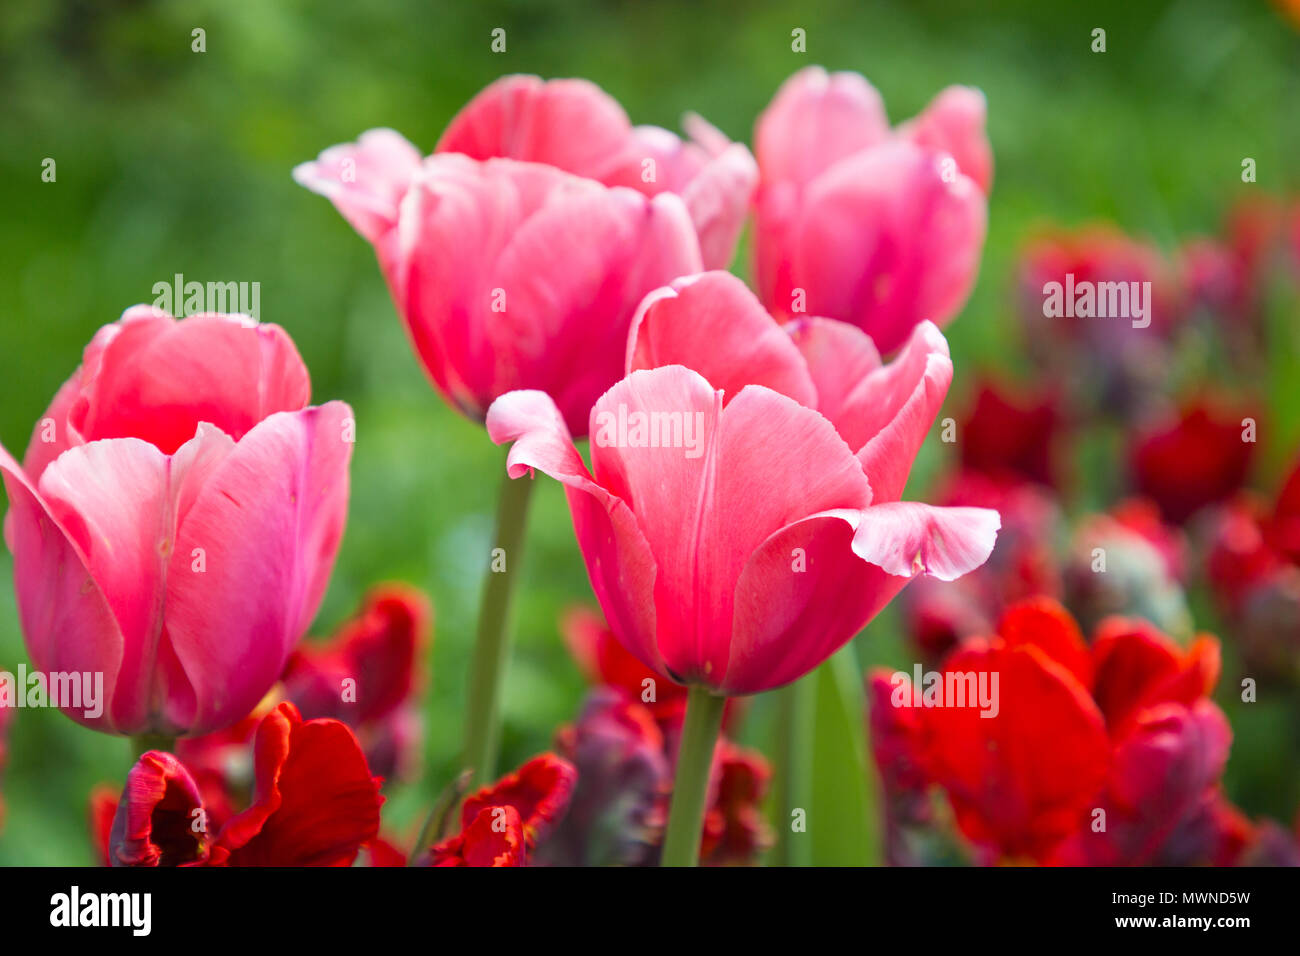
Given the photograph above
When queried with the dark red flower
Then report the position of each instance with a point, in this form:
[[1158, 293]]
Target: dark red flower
[[735, 832], [365, 675], [1194, 460], [502, 823], [494, 837], [160, 819], [1011, 436], [1284, 526], [314, 804], [1138, 667], [1160, 800]]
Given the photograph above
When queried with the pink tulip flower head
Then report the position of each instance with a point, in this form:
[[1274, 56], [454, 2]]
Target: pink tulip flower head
[[878, 227], [576, 126], [176, 517], [511, 263], [741, 517]]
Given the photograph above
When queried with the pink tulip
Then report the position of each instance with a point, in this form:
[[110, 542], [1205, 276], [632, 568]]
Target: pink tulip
[[576, 126], [741, 519], [507, 274], [176, 517], [878, 227]]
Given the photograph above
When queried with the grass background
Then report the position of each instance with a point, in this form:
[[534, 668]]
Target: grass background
[[173, 161]]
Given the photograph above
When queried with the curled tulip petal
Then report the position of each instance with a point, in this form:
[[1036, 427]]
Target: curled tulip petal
[[366, 180], [619, 561], [905, 538]]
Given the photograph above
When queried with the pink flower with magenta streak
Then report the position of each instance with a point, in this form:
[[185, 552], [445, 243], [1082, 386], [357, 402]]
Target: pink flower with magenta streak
[[176, 518]]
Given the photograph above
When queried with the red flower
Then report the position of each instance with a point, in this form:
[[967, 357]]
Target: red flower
[[1194, 461], [502, 823], [1008, 435], [1253, 564], [314, 804], [494, 837], [1021, 780], [1109, 755], [734, 829], [366, 675]]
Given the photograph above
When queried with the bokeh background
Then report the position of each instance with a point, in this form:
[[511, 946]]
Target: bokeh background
[[173, 161]]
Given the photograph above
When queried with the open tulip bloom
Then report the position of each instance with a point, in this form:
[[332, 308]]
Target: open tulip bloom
[[176, 517], [741, 519]]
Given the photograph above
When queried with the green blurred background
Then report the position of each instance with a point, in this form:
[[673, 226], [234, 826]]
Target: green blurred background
[[173, 161]]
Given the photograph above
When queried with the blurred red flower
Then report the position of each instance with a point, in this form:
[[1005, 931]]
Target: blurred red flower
[[1195, 459]]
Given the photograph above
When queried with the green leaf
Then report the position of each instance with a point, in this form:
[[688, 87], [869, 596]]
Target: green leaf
[[843, 821]]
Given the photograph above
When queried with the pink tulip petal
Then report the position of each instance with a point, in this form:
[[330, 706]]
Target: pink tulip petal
[[713, 324], [573, 275], [802, 595], [365, 180], [573, 125], [54, 425], [703, 516], [953, 123], [907, 537], [456, 220], [66, 619], [881, 240], [266, 524], [718, 199], [814, 121], [839, 358], [888, 415], [517, 275], [157, 378], [618, 558]]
